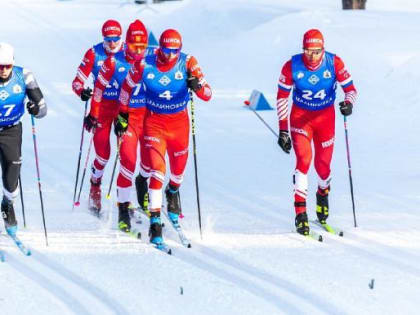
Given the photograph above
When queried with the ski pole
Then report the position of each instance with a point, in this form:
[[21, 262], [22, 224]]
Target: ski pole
[[77, 203], [267, 125], [108, 195], [21, 200], [80, 156], [39, 177], [349, 166], [195, 162]]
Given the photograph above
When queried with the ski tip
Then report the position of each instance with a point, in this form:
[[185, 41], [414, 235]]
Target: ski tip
[[169, 252], [189, 246], [341, 234], [320, 239], [139, 235]]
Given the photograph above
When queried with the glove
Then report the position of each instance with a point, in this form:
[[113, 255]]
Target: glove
[[121, 124], [32, 108], [284, 141], [346, 108], [193, 83], [86, 94], [90, 123]]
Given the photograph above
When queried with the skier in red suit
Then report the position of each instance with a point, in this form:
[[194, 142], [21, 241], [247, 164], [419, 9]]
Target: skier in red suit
[[99, 121], [167, 75], [313, 76], [113, 72]]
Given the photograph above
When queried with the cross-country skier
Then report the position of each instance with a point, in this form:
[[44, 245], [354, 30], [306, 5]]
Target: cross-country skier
[[16, 83], [167, 76], [313, 75], [114, 71], [102, 122]]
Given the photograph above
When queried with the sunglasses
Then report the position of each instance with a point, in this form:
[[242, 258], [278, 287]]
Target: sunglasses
[[313, 51], [168, 51], [112, 38], [6, 67]]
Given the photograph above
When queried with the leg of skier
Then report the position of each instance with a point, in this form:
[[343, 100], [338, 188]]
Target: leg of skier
[[178, 156], [324, 147]]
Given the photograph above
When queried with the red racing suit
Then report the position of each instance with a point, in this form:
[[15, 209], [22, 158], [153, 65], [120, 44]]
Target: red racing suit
[[166, 124], [312, 117], [91, 64], [114, 71]]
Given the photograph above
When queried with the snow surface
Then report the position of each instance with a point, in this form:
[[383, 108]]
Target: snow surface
[[249, 261]]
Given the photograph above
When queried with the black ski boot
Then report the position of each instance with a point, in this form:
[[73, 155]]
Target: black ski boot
[[155, 230], [142, 194], [301, 223], [173, 203], [322, 205], [8, 214], [124, 223]]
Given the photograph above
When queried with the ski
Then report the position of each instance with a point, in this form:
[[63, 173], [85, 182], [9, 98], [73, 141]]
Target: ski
[[2, 255], [314, 236], [163, 247], [135, 233], [26, 251], [329, 228], [178, 229]]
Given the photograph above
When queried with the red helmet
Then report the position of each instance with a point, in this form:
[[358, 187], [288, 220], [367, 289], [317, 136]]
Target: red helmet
[[136, 33], [170, 39], [111, 28], [313, 39]]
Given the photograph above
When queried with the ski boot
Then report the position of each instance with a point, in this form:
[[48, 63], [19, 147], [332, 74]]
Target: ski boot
[[302, 224], [95, 197], [8, 214], [322, 204], [124, 223], [142, 194], [173, 203], [155, 230]]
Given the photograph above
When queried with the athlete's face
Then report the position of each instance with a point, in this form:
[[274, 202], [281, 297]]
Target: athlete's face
[[169, 53], [113, 42], [5, 71], [313, 55], [136, 48]]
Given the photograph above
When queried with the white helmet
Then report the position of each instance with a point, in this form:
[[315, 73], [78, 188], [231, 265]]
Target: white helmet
[[6, 54]]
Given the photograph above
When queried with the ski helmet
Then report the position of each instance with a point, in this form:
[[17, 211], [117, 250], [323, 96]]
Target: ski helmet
[[170, 39], [111, 28], [136, 39], [313, 39], [6, 54]]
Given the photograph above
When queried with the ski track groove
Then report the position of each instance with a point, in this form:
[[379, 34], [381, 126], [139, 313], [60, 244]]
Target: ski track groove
[[93, 290], [374, 257], [57, 291], [299, 292]]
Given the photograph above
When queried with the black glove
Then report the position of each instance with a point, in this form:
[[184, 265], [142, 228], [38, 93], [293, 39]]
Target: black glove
[[90, 123], [86, 94], [284, 141], [346, 108], [32, 108], [121, 124], [193, 83]]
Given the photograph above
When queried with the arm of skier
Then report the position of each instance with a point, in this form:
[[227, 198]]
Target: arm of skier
[[101, 82], [36, 105], [196, 80], [133, 77], [346, 82], [83, 72], [284, 88]]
